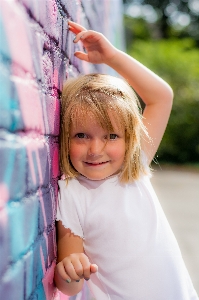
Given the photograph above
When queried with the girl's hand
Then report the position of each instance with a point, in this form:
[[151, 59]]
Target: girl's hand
[[98, 48], [75, 267]]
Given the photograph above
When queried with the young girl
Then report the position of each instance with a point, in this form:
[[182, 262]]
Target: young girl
[[112, 231]]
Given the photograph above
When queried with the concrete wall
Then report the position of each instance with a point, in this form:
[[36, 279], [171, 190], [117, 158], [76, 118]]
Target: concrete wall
[[36, 56]]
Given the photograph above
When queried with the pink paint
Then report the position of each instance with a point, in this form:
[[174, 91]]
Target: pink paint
[[57, 116], [15, 24], [4, 194], [63, 297], [55, 163], [52, 8], [30, 104], [3, 219], [48, 283], [59, 296], [56, 78], [50, 291], [53, 115]]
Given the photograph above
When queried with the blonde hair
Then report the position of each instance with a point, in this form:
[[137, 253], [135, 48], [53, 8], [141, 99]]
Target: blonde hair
[[98, 94]]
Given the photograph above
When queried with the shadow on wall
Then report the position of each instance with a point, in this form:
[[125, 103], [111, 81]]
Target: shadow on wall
[[36, 56]]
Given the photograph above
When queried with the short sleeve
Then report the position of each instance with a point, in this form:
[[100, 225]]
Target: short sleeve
[[68, 210]]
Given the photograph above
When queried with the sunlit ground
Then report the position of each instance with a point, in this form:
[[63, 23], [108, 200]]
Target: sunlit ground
[[178, 193]]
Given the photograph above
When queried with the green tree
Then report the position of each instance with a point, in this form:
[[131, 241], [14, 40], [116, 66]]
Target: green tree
[[177, 62], [171, 10]]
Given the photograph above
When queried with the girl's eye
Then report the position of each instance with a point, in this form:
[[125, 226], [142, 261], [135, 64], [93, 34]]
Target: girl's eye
[[81, 135], [113, 136]]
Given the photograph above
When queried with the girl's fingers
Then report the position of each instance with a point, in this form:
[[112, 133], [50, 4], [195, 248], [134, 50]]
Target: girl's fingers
[[73, 30], [80, 36], [62, 272], [76, 26], [75, 267], [93, 268], [78, 268], [71, 272], [86, 266], [81, 55]]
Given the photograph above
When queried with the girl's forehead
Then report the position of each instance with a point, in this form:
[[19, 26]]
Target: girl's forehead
[[81, 116], [85, 118]]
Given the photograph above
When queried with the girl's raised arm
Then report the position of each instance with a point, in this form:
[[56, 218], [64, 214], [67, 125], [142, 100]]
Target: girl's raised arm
[[154, 91]]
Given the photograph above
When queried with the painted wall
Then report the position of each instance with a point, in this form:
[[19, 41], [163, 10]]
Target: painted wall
[[36, 56]]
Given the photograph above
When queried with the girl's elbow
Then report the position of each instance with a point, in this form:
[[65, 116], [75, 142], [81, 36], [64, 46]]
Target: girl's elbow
[[169, 95]]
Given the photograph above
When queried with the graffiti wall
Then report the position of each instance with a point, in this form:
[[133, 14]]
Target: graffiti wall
[[36, 56]]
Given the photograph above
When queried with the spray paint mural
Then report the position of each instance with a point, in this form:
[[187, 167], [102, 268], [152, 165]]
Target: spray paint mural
[[36, 56]]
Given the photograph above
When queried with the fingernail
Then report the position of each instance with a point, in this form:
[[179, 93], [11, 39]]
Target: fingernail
[[74, 39], [77, 280], [86, 279], [68, 280]]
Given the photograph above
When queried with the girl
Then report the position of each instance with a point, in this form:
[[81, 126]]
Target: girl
[[111, 228]]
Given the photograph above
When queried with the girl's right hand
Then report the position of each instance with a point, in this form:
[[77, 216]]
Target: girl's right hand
[[75, 267], [98, 48]]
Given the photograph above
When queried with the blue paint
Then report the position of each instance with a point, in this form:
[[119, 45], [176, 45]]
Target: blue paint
[[4, 49], [30, 282], [10, 114], [12, 283], [39, 293], [13, 164], [23, 225], [4, 242], [37, 259]]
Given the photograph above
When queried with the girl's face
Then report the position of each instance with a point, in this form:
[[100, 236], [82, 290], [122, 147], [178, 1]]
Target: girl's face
[[92, 152]]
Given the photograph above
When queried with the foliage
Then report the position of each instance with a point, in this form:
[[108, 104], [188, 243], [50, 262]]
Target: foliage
[[167, 11], [136, 28], [177, 62]]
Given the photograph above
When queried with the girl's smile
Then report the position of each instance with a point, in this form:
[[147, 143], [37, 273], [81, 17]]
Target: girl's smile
[[93, 153], [96, 164]]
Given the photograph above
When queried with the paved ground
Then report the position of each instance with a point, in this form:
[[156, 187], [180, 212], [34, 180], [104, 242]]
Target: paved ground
[[178, 192]]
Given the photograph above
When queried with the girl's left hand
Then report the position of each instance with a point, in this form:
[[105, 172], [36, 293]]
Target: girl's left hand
[[98, 48]]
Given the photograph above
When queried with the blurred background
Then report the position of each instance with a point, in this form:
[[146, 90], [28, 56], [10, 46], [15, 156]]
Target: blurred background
[[164, 36]]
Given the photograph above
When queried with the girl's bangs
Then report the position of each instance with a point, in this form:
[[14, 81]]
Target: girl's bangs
[[82, 113]]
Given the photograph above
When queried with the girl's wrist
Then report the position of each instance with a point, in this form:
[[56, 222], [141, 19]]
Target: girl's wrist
[[115, 59], [111, 58]]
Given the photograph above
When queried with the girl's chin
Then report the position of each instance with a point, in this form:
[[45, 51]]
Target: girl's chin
[[99, 177]]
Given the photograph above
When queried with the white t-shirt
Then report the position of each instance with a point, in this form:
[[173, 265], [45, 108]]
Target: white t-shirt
[[126, 233]]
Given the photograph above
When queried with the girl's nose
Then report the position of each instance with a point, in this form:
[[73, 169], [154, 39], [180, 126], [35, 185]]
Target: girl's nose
[[96, 147]]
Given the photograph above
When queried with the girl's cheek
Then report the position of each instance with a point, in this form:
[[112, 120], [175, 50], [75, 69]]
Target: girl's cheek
[[118, 151], [75, 150]]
